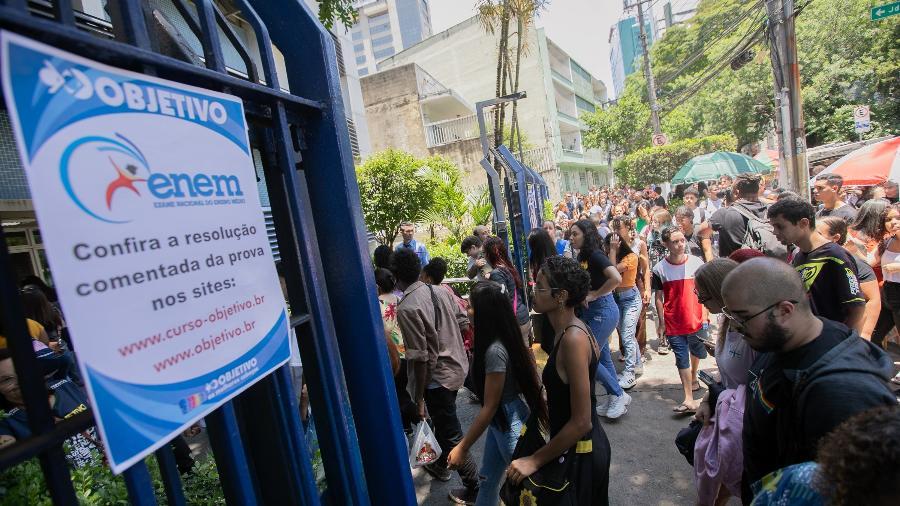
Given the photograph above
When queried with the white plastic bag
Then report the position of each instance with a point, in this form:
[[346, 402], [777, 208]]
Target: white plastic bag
[[424, 449]]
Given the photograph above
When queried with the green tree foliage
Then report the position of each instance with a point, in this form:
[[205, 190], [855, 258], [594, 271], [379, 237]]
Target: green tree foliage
[[341, 10], [846, 60], [449, 207], [660, 163], [480, 208], [393, 188]]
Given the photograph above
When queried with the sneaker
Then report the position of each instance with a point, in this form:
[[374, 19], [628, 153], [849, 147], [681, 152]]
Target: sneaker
[[439, 473], [618, 406], [627, 381], [463, 495], [639, 369], [603, 404], [663, 349]]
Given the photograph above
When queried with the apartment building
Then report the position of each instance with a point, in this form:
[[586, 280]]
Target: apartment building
[[625, 48], [463, 59], [386, 27]]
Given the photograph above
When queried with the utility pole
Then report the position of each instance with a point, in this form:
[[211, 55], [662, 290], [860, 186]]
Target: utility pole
[[648, 72], [783, 44]]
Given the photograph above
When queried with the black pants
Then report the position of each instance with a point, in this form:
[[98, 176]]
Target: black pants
[[183, 459], [890, 312], [441, 404], [409, 414]]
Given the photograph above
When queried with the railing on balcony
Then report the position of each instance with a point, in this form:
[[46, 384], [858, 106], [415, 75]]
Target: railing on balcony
[[559, 75], [453, 130], [540, 160]]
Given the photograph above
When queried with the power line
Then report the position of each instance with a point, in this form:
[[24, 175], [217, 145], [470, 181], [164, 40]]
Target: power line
[[670, 76], [750, 38]]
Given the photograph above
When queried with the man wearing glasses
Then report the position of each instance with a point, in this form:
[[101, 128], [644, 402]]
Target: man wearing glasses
[[813, 373]]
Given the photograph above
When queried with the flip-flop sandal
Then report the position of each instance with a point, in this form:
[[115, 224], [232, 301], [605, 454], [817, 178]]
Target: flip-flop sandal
[[695, 386], [684, 409], [663, 349]]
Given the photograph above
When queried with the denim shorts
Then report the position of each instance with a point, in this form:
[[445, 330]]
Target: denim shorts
[[680, 346]]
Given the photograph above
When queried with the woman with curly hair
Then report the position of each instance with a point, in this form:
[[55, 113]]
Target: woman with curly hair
[[618, 247], [601, 313], [575, 429]]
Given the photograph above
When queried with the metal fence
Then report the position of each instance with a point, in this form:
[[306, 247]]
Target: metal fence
[[256, 438]]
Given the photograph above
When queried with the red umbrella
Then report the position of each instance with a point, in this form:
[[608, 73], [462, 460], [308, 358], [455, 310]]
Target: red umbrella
[[869, 165], [768, 157]]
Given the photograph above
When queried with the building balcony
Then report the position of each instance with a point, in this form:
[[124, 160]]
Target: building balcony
[[569, 118], [445, 132], [561, 78]]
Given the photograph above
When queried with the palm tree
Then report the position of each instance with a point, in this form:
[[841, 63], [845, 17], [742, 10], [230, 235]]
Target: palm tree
[[496, 16]]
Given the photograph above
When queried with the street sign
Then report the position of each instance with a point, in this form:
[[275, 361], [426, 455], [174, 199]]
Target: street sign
[[861, 118], [171, 298], [885, 10], [660, 139]]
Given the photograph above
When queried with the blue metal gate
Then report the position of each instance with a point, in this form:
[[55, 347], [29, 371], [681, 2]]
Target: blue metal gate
[[257, 440]]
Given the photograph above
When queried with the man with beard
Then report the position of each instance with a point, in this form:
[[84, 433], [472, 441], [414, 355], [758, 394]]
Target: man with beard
[[814, 374]]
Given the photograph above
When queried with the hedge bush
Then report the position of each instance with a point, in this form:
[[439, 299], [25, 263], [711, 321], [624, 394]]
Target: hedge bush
[[658, 164]]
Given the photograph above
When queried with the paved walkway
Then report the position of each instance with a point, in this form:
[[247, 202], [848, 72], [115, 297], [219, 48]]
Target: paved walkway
[[646, 468]]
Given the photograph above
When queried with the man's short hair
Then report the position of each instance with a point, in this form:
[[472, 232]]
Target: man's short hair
[[667, 232], [691, 191], [436, 270], [747, 184], [406, 266], [832, 180], [793, 210], [788, 195], [407, 224], [889, 184], [468, 242], [684, 212]]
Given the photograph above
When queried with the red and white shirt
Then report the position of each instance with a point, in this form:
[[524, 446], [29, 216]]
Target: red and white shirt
[[683, 313]]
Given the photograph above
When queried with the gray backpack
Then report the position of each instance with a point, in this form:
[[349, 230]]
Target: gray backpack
[[760, 235]]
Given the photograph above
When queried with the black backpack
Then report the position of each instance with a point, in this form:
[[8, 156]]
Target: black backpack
[[760, 235]]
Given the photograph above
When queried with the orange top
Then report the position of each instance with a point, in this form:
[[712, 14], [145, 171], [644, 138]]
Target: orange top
[[629, 275]]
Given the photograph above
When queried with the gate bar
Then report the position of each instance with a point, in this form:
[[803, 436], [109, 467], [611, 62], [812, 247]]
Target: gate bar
[[171, 477], [231, 461], [139, 485]]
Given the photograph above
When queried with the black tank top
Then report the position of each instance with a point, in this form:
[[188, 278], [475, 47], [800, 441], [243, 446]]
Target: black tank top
[[559, 402]]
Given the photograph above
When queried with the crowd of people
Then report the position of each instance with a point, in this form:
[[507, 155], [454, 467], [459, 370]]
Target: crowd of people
[[794, 300]]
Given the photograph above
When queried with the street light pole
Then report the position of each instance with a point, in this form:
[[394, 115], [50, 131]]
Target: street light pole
[[783, 44], [648, 72]]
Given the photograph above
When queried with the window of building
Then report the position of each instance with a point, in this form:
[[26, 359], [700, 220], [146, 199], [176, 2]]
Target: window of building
[[375, 30], [356, 34], [384, 53], [583, 179], [26, 253], [581, 72], [359, 48], [363, 71], [583, 105], [382, 41], [379, 19], [360, 59]]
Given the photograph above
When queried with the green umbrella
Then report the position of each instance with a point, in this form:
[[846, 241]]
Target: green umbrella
[[719, 163]]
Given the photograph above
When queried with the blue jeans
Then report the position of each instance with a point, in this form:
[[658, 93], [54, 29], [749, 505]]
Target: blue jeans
[[602, 316], [498, 450], [629, 303]]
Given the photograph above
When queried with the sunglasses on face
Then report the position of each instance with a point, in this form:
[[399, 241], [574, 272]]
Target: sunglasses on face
[[741, 322]]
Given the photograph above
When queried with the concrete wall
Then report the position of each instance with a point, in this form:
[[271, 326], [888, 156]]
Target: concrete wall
[[466, 155], [391, 101], [464, 58]]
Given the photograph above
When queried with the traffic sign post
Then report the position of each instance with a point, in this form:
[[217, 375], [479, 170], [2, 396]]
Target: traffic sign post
[[660, 139], [886, 10], [861, 119]]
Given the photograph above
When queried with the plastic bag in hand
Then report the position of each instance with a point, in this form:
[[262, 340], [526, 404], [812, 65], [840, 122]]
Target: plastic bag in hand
[[424, 449]]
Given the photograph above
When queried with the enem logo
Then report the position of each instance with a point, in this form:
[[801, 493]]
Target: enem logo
[[111, 181]]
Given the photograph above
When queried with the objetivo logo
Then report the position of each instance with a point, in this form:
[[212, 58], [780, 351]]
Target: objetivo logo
[[110, 179]]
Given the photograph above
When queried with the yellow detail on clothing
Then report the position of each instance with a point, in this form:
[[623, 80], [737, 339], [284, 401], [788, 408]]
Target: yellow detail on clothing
[[34, 330], [586, 446]]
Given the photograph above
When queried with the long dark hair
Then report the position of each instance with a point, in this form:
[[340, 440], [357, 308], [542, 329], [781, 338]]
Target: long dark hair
[[869, 220], [624, 241], [496, 254], [541, 246], [591, 241], [494, 321], [37, 307]]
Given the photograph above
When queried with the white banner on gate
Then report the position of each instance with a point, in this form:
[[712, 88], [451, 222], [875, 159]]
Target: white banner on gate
[[145, 192]]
